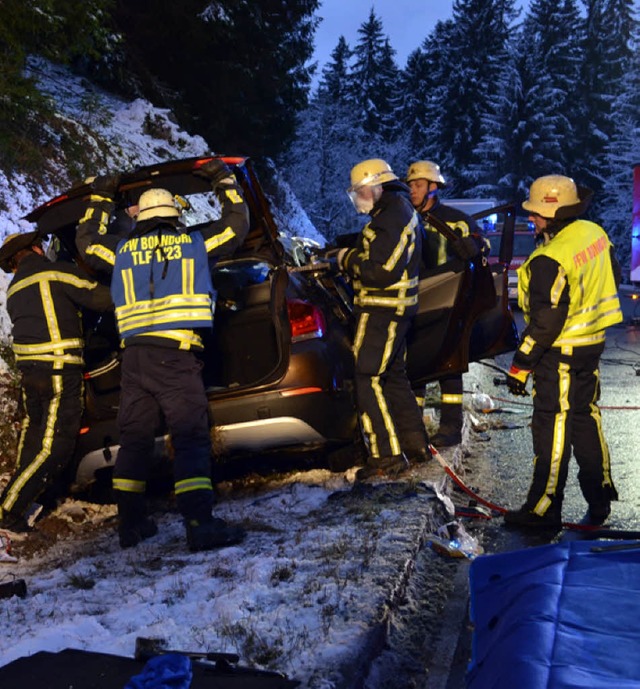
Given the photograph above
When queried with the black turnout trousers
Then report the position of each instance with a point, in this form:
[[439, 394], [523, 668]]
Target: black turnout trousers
[[53, 403], [566, 417], [389, 413], [169, 381]]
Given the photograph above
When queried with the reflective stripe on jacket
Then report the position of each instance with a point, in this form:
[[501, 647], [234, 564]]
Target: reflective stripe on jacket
[[43, 303], [435, 250], [384, 264], [582, 249], [162, 286]]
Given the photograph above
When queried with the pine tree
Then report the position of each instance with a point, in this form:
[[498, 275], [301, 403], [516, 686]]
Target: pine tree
[[374, 79], [610, 25], [236, 71], [528, 131], [330, 140], [476, 55], [423, 82]]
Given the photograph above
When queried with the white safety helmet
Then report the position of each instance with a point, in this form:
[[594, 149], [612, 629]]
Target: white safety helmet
[[549, 193], [157, 203], [425, 169]]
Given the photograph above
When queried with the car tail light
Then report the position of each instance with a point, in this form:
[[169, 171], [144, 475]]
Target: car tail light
[[306, 320]]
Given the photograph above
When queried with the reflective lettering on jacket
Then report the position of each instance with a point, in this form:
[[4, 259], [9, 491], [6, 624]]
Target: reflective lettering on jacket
[[162, 287], [582, 250]]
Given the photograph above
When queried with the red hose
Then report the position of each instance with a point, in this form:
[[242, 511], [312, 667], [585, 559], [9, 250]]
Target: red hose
[[491, 505]]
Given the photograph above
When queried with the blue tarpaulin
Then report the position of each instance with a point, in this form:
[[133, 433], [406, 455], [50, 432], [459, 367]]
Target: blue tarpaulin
[[564, 616]]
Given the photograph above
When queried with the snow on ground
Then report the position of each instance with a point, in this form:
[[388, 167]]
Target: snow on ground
[[306, 593]]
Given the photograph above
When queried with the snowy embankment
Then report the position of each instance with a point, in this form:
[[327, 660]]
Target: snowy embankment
[[310, 592]]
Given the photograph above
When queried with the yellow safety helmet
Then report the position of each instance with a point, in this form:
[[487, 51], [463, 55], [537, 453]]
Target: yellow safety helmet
[[549, 193], [157, 203], [425, 169], [368, 173]]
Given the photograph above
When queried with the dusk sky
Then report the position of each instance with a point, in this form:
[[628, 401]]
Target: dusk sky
[[406, 22]]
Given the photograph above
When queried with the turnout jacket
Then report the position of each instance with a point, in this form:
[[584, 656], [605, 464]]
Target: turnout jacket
[[161, 282], [385, 261], [42, 302], [435, 249], [567, 290]]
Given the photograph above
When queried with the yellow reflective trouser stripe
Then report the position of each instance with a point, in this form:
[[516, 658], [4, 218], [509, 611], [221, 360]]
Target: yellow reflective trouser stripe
[[47, 441], [195, 483], [357, 340], [451, 399], [597, 417], [377, 390], [127, 485], [558, 442], [371, 436]]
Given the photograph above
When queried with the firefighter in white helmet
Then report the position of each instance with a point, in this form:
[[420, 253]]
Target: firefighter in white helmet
[[567, 290], [425, 181], [384, 267], [161, 287]]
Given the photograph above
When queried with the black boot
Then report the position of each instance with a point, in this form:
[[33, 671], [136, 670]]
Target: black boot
[[135, 525], [210, 533], [450, 429]]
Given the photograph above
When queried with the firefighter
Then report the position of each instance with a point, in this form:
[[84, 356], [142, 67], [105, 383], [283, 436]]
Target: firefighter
[[43, 302], [384, 270], [425, 181], [161, 287], [567, 290]]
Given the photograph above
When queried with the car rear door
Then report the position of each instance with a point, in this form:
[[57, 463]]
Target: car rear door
[[463, 312]]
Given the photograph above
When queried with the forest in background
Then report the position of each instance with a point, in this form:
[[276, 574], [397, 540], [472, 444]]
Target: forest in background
[[496, 96]]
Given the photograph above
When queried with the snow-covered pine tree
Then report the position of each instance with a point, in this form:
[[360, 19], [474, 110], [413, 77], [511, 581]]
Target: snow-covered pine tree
[[422, 85], [528, 131], [607, 49], [375, 80], [476, 55], [330, 140]]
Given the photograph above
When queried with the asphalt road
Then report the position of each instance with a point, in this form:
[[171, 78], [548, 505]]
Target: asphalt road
[[498, 467]]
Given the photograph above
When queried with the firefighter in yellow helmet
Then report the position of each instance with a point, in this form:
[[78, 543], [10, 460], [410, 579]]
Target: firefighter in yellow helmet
[[425, 181], [43, 302], [161, 287], [384, 267], [567, 290]]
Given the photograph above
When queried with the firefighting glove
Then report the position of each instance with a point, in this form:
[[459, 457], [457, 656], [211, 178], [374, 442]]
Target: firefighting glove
[[517, 381], [334, 258], [106, 185], [465, 248], [217, 172]]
